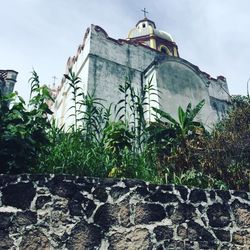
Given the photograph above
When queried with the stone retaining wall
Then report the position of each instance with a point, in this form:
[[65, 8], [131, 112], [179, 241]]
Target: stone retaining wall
[[66, 212]]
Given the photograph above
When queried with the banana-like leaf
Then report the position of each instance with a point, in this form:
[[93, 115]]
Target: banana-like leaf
[[196, 109], [181, 116], [165, 115]]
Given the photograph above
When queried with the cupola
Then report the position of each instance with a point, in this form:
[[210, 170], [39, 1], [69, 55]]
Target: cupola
[[145, 33]]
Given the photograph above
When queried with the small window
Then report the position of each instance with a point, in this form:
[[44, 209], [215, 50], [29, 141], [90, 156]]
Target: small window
[[164, 50], [143, 25]]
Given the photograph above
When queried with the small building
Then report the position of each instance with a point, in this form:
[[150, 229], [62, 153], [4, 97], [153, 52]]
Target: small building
[[7, 81], [147, 54]]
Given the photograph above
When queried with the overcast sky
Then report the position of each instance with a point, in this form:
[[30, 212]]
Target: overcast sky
[[42, 34]]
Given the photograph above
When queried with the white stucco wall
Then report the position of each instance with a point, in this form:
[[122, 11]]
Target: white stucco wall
[[105, 63]]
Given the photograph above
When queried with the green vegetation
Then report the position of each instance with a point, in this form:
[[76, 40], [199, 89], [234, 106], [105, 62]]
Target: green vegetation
[[178, 151], [23, 131]]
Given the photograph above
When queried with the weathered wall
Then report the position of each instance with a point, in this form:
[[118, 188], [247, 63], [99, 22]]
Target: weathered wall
[[104, 63], [63, 101], [65, 212], [180, 83], [112, 63]]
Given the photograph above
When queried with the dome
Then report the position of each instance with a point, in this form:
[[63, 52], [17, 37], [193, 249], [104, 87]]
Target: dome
[[146, 34], [143, 28], [164, 35], [147, 27]]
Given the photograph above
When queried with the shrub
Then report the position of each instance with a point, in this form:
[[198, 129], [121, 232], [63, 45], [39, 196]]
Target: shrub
[[167, 150], [22, 130], [227, 154]]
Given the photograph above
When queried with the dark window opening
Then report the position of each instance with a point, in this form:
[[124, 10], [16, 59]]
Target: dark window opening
[[164, 50], [143, 25]]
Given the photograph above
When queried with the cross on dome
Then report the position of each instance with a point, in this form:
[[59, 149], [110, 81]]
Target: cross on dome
[[145, 12]]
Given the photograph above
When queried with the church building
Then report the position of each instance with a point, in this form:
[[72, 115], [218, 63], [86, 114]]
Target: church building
[[147, 54]]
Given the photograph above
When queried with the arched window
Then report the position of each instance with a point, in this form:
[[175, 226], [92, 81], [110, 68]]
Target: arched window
[[164, 50]]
